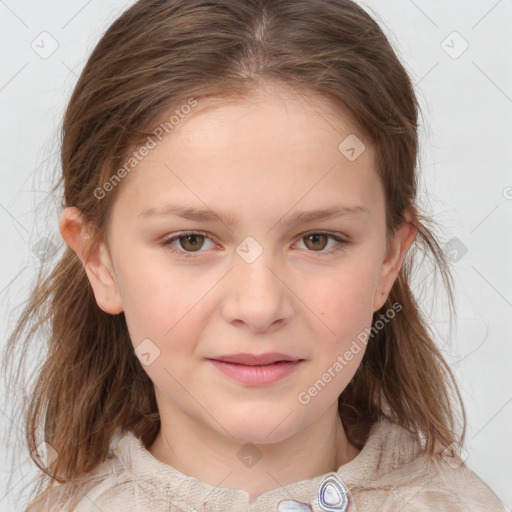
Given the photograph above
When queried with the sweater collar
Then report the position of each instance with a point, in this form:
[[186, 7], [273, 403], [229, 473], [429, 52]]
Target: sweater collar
[[324, 493]]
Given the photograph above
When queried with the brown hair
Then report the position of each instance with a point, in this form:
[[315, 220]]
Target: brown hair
[[155, 57]]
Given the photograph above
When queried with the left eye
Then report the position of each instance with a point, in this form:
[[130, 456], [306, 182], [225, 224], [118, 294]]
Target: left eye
[[318, 241], [191, 242]]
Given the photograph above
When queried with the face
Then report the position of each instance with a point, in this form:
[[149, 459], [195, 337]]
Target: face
[[256, 275]]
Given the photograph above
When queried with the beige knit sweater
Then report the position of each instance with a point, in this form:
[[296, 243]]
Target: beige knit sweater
[[389, 474]]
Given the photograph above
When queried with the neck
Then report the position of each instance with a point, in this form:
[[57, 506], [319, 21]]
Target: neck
[[217, 460]]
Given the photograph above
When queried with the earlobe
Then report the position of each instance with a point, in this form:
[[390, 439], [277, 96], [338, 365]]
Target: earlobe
[[97, 263], [399, 246]]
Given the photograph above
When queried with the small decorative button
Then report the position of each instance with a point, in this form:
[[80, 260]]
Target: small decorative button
[[332, 495], [293, 506]]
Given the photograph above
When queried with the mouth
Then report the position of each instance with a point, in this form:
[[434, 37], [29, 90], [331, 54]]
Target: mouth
[[256, 359], [256, 370]]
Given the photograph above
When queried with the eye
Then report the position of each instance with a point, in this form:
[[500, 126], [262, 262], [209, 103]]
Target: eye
[[189, 241], [317, 242]]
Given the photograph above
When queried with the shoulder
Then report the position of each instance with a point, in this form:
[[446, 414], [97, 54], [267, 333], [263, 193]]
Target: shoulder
[[436, 485], [80, 494], [401, 476], [129, 479]]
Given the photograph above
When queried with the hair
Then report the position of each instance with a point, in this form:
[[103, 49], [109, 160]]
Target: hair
[[153, 58]]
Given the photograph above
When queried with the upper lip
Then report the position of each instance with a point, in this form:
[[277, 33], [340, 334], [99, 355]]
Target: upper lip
[[255, 359]]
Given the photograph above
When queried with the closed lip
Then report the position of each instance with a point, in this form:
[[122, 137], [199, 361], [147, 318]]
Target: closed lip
[[256, 359]]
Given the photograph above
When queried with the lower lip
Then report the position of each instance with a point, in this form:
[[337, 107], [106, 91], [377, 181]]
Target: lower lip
[[256, 375]]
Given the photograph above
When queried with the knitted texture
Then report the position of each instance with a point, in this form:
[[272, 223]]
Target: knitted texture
[[389, 474]]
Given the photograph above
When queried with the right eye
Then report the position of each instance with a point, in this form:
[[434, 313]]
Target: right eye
[[190, 242]]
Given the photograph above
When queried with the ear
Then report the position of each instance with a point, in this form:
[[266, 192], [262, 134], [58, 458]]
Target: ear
[[97, 264], [402, 240]]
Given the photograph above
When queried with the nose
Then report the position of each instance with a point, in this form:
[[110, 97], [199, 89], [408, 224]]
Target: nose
[[258, 297]]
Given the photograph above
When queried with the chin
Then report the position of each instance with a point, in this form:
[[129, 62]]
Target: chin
[[262, 431]]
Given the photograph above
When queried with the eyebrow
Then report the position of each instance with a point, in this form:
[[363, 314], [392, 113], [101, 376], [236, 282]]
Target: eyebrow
[[228, 218]]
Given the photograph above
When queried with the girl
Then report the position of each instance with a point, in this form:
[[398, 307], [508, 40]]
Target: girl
[[231, 326]]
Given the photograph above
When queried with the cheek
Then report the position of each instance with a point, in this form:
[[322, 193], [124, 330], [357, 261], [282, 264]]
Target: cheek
[[343, 301], [162, 305], [344, 304], [165, 319]]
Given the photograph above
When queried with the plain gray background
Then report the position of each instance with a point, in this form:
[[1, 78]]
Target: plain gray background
[[459, 54]]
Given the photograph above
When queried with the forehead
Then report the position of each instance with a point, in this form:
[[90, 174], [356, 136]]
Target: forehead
[[274, 148]]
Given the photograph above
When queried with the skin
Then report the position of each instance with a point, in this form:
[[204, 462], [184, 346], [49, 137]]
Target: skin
[[262, 159]]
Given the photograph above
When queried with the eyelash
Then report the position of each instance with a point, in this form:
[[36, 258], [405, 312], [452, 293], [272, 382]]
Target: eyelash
[[192, 254]]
